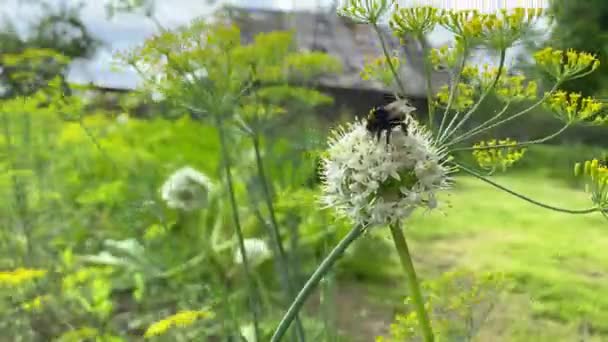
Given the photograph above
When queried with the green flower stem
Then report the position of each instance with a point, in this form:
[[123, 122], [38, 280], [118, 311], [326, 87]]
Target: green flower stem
[[314, 279], [485, 94], [389, 61], [427, 76], [484, 124], [523, 197], [412, 281], [442, 136], [525, 111], [276, 236], [520, 144], [237, 225], [453, 91]]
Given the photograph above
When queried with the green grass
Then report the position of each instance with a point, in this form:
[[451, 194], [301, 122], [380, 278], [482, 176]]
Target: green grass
[[557, 263]]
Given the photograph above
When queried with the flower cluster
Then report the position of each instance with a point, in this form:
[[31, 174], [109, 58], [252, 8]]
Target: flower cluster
[[506, 28], [257, 251], [595, 173], [566, 65], [416, 21], [379, 69], [573, 108], [513, 89], [498, 31], [445, 57], [464, 96], [465, 24], [365, 11], [374, 183], [19, 276], [180, 320], [497, 154], [186, 189]]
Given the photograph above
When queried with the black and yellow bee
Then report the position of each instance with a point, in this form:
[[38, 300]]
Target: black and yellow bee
[[385, 118]]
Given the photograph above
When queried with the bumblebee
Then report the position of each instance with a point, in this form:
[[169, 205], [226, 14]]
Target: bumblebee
[[385, 118]]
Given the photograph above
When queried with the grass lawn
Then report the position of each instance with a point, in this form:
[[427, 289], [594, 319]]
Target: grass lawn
[[557, 263]]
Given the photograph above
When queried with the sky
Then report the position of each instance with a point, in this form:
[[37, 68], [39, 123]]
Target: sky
[[128, 30]]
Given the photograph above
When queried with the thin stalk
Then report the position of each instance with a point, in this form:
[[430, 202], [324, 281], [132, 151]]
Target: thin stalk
[[237, 225], [523, 197], [327, 303], [525, 111], [453, 91], [314, 279], [443, 135], [483, 125], [520, 144], [389, 61], [483, 96], [427, 76], [275, 235], [412, 282]]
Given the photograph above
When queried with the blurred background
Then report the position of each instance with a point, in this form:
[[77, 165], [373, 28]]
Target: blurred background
[[82, 195]]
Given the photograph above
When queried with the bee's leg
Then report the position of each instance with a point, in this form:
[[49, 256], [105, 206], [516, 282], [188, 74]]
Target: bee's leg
[[403, 127], [388, 136], [378, 135]]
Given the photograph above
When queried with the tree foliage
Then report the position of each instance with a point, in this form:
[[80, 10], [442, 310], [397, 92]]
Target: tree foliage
[[583, 26]]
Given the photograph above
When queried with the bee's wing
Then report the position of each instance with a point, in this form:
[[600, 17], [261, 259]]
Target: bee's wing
[[400, 107]]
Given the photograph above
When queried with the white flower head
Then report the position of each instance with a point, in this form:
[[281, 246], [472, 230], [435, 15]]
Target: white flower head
[[186, 189], [257, 251], [373, 183]]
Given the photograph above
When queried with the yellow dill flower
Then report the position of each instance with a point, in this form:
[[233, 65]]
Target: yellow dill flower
[[573, 108], [463, 96], [379, 69], [415, 20], [445, 56], [20, 275], [497, 154], [180, 319], [595, 173], [512, 88], [564, 65], [466, 24]]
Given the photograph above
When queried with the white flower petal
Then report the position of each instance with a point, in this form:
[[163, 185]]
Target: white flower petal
[[358, 169]]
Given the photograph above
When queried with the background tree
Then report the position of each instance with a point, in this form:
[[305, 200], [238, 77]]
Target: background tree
[[58, 28], [582, 25]]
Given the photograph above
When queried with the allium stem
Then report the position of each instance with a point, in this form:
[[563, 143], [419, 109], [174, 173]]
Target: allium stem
[[523, 197], [314, 279], [276, 236], [237, 225], [412, 282]]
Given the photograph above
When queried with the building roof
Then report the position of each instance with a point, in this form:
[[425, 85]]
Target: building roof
[[353, 44]]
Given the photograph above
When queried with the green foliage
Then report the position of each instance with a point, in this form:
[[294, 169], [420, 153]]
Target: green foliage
[[91, 251], [459, 301], [54, 39], [582, 26]]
